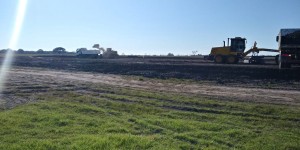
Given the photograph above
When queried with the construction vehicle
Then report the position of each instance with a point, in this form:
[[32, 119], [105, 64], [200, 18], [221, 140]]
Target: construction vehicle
[[96, 53], [84, 52], [235, 51], [108, 53], [289, 47]]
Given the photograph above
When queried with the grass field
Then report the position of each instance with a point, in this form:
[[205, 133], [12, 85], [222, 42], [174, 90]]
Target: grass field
[[124, 118]]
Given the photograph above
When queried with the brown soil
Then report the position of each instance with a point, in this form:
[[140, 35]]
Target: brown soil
[[249, 83], [40, 80]]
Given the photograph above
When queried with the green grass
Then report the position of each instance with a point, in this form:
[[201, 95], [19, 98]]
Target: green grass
[[135, 119]]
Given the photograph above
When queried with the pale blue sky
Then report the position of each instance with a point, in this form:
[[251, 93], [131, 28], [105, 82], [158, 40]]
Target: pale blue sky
[[148, 26]]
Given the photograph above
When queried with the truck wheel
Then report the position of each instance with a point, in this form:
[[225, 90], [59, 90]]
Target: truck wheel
[[219, 59], [250, 61], [231, 59], [281, 65], [237, 60], [277, 59], [284, 65]]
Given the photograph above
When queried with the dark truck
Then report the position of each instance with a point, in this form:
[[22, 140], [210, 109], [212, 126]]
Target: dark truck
[[289, 47]]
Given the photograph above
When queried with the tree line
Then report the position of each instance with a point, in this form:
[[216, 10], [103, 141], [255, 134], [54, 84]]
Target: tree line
[[57, 50]]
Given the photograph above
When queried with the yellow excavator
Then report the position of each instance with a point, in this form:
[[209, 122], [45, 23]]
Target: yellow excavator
[[235, 51]]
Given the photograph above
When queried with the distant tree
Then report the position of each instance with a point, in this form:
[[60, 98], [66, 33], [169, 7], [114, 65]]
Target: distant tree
[[170, 54], [6, 50], [59, 50], [194, 52], [40, 51], [3, 51], [20, 51], [96, 46]]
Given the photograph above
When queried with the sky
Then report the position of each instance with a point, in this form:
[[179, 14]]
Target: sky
[[151, 27]]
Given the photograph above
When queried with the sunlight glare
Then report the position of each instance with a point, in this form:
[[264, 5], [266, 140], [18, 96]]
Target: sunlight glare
[[13, 42]]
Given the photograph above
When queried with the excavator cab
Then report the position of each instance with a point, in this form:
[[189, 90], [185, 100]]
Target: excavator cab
[[238, 44], [230, 53], [235, 51]]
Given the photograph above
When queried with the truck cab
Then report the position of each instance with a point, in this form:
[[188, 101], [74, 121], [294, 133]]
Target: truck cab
[[289, 47]]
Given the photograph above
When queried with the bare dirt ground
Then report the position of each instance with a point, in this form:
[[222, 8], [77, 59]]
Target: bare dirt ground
[[31, 81], [33, 75], [196, 69]]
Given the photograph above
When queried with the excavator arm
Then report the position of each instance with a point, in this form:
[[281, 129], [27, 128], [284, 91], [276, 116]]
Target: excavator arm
[[257, 50]]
